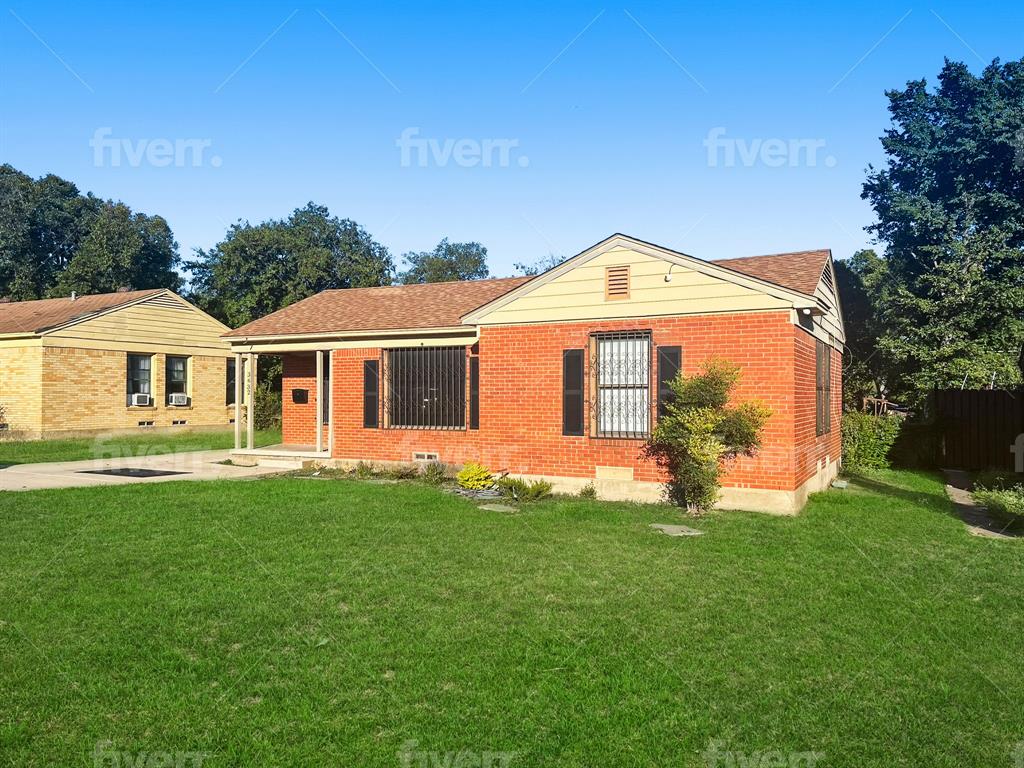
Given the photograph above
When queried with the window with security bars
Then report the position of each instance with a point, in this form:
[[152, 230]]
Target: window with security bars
[[426, 388], [621, 372]]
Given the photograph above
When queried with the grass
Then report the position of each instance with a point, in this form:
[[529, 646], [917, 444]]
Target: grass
[[116, 445], [298, 622]]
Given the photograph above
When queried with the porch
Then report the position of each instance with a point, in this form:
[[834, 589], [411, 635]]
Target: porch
[[307, 404]]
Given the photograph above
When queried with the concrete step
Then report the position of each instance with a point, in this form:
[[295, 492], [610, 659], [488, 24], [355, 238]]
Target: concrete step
[[284, 462]]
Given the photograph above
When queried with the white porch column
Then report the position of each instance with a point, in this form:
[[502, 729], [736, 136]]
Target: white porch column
[[319, 400], [250, 422], [330, 407], [238, 400]]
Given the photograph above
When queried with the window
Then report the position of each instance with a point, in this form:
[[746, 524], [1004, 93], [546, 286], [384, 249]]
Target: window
[[229, 393], [622, 374], [823, 389], [176, 376], [140, 376], [426, 388]]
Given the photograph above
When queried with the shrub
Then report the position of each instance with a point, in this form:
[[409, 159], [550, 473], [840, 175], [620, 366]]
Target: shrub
[[364, 470], [266, 407], [523, 490], [474, 477], [588, 491], [435, 473], [996, 479], [404, 472], [868, 439], [1002, 501], [699, 432]]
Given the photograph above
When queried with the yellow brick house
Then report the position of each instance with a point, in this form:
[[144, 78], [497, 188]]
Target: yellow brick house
[[117, 361]]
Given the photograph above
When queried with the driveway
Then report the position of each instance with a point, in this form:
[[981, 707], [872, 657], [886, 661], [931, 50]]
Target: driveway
[[195, 465]]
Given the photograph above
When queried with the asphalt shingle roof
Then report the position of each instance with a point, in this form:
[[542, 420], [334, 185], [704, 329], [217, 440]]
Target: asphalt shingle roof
[[43, 314]]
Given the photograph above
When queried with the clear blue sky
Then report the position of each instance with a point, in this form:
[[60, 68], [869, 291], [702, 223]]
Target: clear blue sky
[[608, 109]]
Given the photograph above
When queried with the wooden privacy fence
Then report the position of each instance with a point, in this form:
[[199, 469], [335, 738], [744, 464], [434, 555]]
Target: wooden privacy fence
[[978, 427]]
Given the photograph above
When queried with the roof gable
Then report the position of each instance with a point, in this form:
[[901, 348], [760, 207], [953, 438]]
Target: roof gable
[[749, 287]]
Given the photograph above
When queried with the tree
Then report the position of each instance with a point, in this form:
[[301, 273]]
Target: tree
[[448, 261], [258, 269], [543, 265], [859, 281], [122, 250], [950, 210], [700, 432], [53, 239]]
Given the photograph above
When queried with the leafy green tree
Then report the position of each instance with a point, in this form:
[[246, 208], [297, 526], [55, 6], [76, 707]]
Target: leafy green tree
[[700, 432], [543, 265], [122, 250], [859, 281], [950, 210], [448, 261], [53, 240], [258, 269]]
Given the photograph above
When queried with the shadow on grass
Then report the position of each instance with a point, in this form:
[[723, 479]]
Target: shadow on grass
[[877, 484]]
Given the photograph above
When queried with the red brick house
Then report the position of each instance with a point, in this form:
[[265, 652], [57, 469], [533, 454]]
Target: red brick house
[[561, 375]]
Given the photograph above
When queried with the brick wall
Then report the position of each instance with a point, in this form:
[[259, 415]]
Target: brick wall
[[521, 407], [810, 448], [84, 390], [21, 374], [298, 420]]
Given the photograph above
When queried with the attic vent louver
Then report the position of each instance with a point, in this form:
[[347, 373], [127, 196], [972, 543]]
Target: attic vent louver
[[616, 282], [827, 278]]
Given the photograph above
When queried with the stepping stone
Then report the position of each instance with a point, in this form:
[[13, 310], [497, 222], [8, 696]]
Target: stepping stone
[[497, 508], [840, 484], [676, 530]]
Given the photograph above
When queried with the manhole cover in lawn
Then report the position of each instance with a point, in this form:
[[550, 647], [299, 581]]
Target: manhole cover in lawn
[[132, 472]]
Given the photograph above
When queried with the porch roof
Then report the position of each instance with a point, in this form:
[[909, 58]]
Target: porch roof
[[390, 308]]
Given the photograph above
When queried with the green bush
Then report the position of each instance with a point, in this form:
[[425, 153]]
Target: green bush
[[1002, 501], [404, 472], [523, 490], [996, 479], [868, 440], [474, 477], [700, 431], [588, 491], [364, 470], [435, 473], [266, 407]]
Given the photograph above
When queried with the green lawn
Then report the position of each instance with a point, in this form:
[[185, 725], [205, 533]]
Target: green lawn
[[109, 446], [291, 622]]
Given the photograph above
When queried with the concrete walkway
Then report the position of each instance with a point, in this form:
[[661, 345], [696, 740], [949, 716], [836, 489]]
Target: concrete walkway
[[194, 465]]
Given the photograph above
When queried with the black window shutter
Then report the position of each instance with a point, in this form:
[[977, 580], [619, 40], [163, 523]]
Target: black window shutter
[[572, 392], [827, 394], [371, 407], [474, 393], [670, 360]]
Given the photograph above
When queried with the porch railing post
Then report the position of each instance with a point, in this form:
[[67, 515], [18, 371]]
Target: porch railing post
[[238, 400], [319, 400], [330, 408], [250, 421]]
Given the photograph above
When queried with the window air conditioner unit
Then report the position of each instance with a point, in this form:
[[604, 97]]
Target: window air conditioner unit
[[178, 398], [140, 399]]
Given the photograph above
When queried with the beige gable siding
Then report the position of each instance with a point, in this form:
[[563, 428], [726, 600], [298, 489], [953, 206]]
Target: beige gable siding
[[165, 323], [831, 321], [579, 294], [21, 378]]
